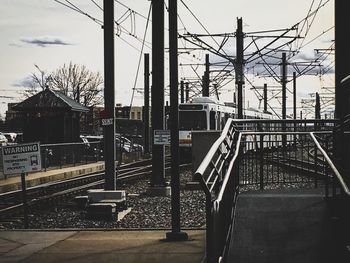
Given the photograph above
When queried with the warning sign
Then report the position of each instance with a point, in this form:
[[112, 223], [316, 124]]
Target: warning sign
[[161, 137], [21, 158]]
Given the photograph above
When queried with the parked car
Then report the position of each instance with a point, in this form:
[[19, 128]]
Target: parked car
[[10, 136], [123, 144], [93, 144], [127, 145], [3, 139]]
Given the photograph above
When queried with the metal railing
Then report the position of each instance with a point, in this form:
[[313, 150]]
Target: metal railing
[[334, 180], [264, 125], [59, 155], [220, 189], [258, 159], [276, 159]]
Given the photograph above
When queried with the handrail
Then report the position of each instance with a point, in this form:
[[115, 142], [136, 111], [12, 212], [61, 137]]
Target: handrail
[[226, 178], [286, 121], [329, 161], [213, 176], [218, 175], [204, 164], [282, 132]]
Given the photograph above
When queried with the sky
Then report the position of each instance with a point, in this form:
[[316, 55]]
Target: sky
[[49, 34]]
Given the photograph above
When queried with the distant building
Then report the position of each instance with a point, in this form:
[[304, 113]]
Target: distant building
[[50, 117], [128, 121], [13, 118]]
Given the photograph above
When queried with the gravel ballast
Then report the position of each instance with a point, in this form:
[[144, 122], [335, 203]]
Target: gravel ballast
[[145, 212]]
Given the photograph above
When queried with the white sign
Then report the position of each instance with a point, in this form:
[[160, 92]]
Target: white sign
[[161, 137], [107, 122], [21, 158]]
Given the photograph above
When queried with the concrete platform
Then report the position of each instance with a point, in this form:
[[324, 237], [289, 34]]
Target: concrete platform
[[287, 226], [14, 182], [100, 246]]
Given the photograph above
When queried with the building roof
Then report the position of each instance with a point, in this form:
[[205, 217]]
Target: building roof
[[50, 100]]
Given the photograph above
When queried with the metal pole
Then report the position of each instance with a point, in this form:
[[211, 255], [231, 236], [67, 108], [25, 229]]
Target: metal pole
[[317, 111], [239, 63], [342, 57], [175, 233], [182, 91], [204, 94], [295, 104], [187, 91], [109, 130], [294, 96], [261, 170], [157, 91], [206, 77], [284, 85], [265, 97], [317, 107], [24, 200], [284, 96], [146, 105], [216, 90]]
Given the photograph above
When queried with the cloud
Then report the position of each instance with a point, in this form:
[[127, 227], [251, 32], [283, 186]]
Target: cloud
[[45, 41], [26, 82], [15, 44]]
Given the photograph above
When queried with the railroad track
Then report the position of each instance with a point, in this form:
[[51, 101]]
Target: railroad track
[[11, 202]]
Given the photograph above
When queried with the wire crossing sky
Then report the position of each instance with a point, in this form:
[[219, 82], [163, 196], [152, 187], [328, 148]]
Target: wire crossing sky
[[49, 33]]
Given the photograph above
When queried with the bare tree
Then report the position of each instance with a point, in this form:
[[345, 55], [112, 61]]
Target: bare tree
[[75, 81], [36, 83]]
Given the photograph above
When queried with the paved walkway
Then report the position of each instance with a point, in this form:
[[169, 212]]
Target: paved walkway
[[287, 226], [100, 246]]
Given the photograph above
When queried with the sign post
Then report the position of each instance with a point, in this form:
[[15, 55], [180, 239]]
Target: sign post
[[24, 200], [22, 158]]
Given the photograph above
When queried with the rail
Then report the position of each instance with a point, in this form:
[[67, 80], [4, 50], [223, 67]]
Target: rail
[[270, 156], [60, 155], [213, 176], [331, 164]]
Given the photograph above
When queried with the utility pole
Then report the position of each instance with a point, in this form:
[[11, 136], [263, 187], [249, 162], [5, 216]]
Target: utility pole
[[284, 96], [317, 107], [204, 93], [294, 96], [206, 80], [146, 105], [157, 93], [175, 233], [187, 92], [182, 91], [342, 58], [239, 65], [284, 86], [295, 103], [109, 127], [265, 97], [216, 90]]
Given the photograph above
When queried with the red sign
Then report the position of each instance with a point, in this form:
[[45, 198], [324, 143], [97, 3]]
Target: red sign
[[104, 114]]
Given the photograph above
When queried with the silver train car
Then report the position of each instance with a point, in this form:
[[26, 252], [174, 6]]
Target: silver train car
[[205, 113]]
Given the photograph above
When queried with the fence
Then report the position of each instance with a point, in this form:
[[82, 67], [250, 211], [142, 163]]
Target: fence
[[59, 155], [290, 155]]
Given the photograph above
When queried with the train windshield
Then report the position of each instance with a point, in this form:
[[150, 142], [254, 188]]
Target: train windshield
[[192, 120]]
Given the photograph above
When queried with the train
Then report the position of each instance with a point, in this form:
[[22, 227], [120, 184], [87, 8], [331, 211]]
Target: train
[[205, 113]]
